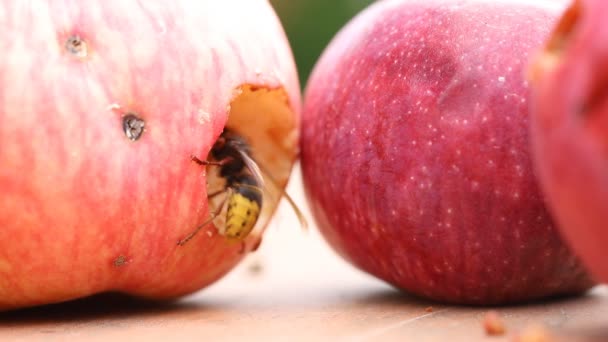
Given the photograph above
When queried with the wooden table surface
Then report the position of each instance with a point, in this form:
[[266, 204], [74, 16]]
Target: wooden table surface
[[295, 286]]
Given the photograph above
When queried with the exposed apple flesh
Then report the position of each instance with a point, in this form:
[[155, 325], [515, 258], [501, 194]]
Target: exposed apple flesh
[[87, 206], [570, 129], [415, 151]]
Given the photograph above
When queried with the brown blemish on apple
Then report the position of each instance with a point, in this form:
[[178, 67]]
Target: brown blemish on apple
[[120, 261], [133, 126], [557, 43], [76, 46], [264, 118]]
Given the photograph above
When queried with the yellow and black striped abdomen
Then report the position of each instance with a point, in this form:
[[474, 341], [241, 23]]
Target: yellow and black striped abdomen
[[241, 216]]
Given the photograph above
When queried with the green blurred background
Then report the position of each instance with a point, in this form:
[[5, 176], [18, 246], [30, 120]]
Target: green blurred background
[[310, 25]]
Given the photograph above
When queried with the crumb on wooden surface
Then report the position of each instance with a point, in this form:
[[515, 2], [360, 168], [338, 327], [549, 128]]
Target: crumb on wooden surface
[[493, 324], [255, 268]]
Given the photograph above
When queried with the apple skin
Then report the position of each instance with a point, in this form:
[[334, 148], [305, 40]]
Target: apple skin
[[84, 209], [570, 129], [415, 152]]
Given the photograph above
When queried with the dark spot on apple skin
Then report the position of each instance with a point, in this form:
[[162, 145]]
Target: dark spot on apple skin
[[76, 46], [133, 126], [120, 261]]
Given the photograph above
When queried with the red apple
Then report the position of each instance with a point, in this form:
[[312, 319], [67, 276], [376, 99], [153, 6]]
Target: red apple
[[415, 151], [570, 129], [91, 202]]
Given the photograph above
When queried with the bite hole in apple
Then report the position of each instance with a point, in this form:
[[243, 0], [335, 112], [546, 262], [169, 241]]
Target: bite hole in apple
[[263, 116], [76, 46], [133, 126]]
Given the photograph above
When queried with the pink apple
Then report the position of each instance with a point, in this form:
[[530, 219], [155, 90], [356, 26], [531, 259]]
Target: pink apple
[[415, 151], [102, 105], [570, 129]]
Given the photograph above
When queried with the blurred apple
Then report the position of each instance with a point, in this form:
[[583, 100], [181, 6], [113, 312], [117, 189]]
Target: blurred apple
[[102, 105], [415, 151], [570, 129]]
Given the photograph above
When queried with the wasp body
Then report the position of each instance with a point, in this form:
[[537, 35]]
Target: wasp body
[[243, 183], [243, 189]]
